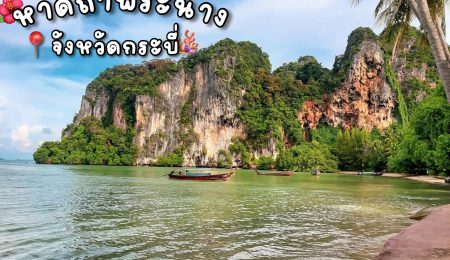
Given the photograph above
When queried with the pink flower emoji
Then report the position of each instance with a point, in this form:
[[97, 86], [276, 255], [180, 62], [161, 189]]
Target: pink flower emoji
[[7, 8]]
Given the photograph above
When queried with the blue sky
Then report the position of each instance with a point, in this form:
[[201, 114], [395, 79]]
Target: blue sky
[[39, 97]]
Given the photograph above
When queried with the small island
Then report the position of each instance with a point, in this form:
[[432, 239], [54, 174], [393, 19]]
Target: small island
[[224, 106]]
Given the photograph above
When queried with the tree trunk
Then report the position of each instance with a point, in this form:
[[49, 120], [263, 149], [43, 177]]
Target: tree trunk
[[439, 25], [421, 8], [394, 49]]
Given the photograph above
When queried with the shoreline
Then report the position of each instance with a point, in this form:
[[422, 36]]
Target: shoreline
[[420, 178]]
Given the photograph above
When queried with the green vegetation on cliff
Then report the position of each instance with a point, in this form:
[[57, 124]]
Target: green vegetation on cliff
[[235, 63], [414, 64], [90, 143], [270, 107], [125, 82], [135, 79], [268, 112], [393, 82]]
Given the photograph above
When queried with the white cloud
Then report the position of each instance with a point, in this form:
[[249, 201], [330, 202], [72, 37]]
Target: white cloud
[[21, 136], [26, 138], [28, 102]]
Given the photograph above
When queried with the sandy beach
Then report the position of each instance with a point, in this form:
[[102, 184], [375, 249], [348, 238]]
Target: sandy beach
[[422, 178]]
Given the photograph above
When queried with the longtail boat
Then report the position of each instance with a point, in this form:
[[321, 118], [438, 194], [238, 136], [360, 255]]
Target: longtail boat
[[201, 176], [275, 173], [198, 172], [370, 173]]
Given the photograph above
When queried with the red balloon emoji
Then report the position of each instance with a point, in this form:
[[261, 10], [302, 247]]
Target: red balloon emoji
[[36, 38]]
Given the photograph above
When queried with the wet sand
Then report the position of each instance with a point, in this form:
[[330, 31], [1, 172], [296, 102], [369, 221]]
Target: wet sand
[[426, 239], [422, 178], [426, 178]]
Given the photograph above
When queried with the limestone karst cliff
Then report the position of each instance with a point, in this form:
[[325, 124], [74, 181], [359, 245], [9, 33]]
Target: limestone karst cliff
[[205, 106], [194, 108], [364, 98]]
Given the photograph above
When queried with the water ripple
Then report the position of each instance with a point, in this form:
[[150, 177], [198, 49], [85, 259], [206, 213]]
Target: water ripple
[[137, 213]]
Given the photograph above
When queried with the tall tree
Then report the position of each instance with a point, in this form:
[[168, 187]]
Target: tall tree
[[396, 14]]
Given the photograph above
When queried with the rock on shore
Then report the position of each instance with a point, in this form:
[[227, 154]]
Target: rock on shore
[[426, 239]]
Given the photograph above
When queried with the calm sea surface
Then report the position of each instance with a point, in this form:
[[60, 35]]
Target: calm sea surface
[[65, 212]]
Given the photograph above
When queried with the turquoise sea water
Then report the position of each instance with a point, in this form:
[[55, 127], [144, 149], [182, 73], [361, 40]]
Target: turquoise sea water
[[63, 212]]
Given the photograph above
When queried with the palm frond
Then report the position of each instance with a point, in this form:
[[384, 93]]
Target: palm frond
[[380, 6], [355, 2], [437, 8]]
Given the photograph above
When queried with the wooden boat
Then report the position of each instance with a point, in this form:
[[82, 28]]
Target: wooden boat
[[370, 173], [198, 172], [201, 177], [275, 173]]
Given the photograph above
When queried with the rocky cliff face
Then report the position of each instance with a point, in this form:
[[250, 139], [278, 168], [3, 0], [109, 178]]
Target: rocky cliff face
[[211, 113], [199, 95], [364, 99], [93, 104], [414, 67], [194, 108]]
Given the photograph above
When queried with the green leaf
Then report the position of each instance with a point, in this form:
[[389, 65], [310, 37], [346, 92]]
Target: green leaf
[[1, 19]]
